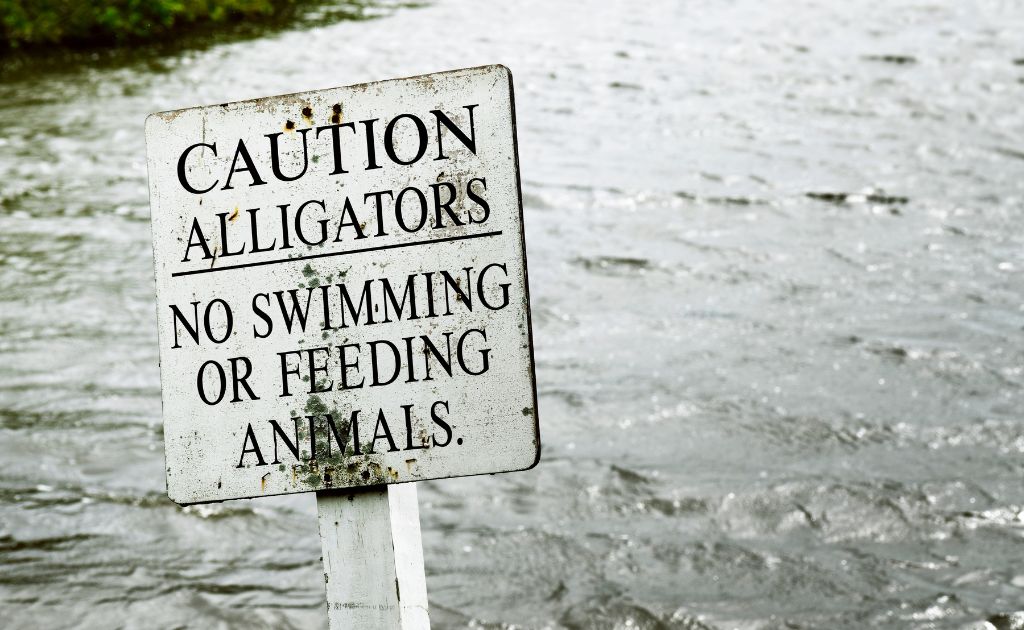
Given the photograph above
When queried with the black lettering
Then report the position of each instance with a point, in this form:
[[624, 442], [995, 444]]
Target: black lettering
[[192, 329], [409, 295], [389, 139], [400, 216], [295, 312], [292, 446], [228, 323], [379, 207], [275, 157], [409, 446], [371, 151], [340, 438], [356, 448], [439, 421], [481, 295], [374, 362], [469, 141], [336, 144], [409, 361], [446, 205], [250, 438], [364, 298], [460, 353], [196, 239], [237, 379], [462, 295], [286, 243], [254, 230], [478, 200], [349, 220], [202, 388], [322, 222], [314, 369], [181, 169], [345, 365], [262, 315], [430, 349], [225, 251], [325, 305], [382, 423], [242, 152], [286, 371]]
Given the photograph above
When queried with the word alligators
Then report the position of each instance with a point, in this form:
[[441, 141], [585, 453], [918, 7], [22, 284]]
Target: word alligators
[[317, 222]]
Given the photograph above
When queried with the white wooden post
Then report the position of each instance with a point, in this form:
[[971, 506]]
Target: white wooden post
[[373, 558]]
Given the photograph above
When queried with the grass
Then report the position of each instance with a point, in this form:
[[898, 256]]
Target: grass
[[38, 23]]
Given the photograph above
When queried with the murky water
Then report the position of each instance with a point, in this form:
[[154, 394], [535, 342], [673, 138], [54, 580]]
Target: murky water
[[776, 258]]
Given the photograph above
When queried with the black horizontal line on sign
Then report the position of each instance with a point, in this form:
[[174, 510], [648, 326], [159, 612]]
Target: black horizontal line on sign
[[345, 252]]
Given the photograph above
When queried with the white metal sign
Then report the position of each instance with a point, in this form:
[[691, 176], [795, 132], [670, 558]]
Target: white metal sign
[[341, 285]]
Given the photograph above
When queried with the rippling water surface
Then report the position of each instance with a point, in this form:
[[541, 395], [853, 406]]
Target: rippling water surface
[[776, 254]]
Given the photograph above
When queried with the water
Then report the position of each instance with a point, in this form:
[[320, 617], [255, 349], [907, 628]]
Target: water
[[776, 266]]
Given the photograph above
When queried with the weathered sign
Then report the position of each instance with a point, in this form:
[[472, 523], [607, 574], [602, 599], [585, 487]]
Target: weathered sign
[[341, 287]]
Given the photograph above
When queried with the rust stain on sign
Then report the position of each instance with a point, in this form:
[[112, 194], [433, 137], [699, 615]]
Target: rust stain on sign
[[362, 315]]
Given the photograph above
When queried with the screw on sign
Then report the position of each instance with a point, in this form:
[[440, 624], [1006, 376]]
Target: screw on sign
[[343, 305]]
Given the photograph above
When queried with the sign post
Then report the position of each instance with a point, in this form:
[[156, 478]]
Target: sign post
[[343, 306], [375, 577]]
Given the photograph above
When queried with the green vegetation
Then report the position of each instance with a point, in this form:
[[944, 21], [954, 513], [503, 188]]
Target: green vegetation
[[27, 23]]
